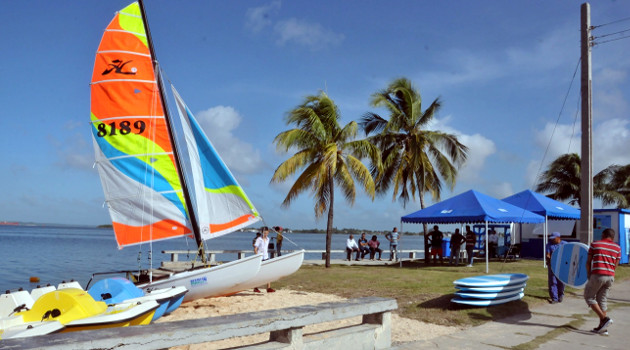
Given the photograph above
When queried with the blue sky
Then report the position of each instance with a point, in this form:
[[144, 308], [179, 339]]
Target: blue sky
[[501, 68]]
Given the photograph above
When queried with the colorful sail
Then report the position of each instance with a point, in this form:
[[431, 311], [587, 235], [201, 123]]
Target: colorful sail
[[134, 153], [221, 205]]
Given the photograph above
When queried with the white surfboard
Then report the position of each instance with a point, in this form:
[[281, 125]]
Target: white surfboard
[[491, 289], [568, 264], [476, 295], [489, 302], [504, 279]]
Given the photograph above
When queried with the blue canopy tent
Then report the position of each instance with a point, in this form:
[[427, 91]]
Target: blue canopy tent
[[545, 206], [473, 207]]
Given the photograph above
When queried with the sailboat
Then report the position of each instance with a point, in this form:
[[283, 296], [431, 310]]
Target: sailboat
[[161, 176]]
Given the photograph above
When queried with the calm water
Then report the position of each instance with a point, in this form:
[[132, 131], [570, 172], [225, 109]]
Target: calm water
[[54, 254]]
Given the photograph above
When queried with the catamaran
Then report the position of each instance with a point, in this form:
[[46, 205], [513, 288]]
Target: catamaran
[[161, 176]]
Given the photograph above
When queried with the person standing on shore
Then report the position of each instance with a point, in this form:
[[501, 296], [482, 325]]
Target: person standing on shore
[[393, 238], [556, 287], [436, 245], [279, 239], [262, 247], [471, 239], [493, 243], [457, 239], [603, 257]]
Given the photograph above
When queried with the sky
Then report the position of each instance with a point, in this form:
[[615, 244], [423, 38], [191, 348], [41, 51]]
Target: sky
[[502, 70]]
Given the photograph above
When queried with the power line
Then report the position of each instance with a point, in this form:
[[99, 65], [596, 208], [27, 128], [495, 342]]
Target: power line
[[607, 41], [605, 24], [558, 119], [577, 110], [609, 34]]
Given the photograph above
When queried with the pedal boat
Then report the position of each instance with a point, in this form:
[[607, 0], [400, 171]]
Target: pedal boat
[[77, 310], [117, 290]]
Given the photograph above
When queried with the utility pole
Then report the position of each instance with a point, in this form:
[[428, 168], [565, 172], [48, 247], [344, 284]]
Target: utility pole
[[586, 172]]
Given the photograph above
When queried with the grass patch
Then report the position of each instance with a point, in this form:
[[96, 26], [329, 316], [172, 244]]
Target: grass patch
[[424, 292]]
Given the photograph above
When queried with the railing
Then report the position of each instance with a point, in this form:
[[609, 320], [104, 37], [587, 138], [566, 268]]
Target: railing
[[211, 254], [285, 328]]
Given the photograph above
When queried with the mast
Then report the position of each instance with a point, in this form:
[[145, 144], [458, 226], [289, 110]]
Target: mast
[[586, 166], [171, 133]]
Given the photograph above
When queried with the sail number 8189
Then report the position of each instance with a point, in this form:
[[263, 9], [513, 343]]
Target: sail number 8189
[[124, 128]]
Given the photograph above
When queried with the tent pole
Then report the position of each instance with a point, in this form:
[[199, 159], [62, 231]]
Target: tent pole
[[398, 253], [486, 247], [545, 235]]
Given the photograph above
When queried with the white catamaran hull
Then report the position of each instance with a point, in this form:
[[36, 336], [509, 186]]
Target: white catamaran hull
[[211, 281], [272, 270]]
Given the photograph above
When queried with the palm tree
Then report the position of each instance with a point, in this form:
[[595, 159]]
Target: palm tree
[[414, 159], [329, 155], [562, 179], [616, 182]]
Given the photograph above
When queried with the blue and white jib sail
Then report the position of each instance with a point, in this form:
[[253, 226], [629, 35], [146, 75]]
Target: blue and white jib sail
[[221, 205]]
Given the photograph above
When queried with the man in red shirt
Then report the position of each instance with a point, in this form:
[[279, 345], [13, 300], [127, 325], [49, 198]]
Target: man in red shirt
[[603, 258]]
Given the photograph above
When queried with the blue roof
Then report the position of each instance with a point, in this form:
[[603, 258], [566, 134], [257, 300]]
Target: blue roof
[[472, 207], [543, 205]]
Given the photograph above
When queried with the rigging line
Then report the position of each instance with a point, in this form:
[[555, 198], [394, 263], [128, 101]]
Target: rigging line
[[605, 24], [607, 41], [284, 236], [557, 120], [606, 35]]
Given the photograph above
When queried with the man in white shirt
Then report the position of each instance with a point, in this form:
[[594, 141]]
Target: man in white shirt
[[261, 247], [352, 246], [493, 243]]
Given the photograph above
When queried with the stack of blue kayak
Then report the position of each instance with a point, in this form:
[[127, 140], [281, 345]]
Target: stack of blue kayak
[[489, 290]]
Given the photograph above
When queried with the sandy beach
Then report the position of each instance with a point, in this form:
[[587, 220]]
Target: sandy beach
[[403, 329]]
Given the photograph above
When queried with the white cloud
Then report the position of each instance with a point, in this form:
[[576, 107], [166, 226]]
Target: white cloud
[[74, 153], [219, 124], [611, 142], [479, 149], [311, 35], [292, 30], [500, 190], [517, 61], [258, 18], [562, 139]]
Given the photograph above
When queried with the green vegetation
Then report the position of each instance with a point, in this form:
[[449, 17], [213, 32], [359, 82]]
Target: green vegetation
[[329, 155], [424, 292], [562, 179], [414, 158]]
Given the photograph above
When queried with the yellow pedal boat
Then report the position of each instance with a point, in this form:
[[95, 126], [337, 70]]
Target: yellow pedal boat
[[77, 310]]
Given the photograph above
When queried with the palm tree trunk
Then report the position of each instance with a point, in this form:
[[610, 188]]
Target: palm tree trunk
[[329, 226], [427, 256]]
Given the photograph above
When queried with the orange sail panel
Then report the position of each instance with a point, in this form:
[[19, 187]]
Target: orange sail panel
[[134, 152]]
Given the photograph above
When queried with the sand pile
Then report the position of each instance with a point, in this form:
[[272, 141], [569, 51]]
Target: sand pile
[[403, 329]]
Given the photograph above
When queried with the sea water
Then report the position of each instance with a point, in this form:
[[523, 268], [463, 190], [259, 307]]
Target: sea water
[[55, 254]]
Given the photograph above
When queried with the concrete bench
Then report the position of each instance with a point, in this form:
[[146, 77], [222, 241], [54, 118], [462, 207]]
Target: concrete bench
[[285, 328]]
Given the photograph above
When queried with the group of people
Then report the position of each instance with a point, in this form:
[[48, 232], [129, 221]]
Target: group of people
[[262, 245], [372, 246], [603, 258], [436, 237]]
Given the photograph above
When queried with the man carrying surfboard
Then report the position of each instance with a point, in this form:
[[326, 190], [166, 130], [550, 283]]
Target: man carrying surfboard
[[603, 258], [556, 287]]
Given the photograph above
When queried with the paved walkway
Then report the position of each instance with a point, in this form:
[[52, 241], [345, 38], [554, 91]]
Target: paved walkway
[[549, 327]]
